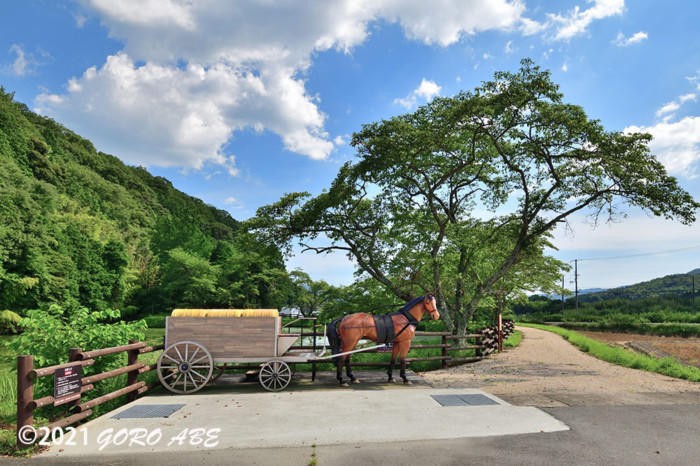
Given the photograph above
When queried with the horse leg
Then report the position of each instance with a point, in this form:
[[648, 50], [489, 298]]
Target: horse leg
[[405, 346], [339, 369], [348, 370], [394, 353], [347, 344]]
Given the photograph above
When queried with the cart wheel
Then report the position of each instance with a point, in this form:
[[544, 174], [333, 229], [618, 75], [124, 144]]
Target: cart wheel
[[185, 367], [221, 370], [275, 375]]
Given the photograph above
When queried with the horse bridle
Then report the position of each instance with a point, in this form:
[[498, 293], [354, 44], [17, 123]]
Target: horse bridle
[[431, 297]]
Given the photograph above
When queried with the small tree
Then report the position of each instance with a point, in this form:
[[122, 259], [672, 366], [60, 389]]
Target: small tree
[[309, 296]]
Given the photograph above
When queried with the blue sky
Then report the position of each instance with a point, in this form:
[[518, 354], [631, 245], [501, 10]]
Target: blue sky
[[238, 105]]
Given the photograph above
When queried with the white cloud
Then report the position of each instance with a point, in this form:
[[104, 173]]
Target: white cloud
[[509, 47], [80, 20], [576, 21], [191, 74], [686, 97], [426, 90], [24, 63], [531, 27], [233, 202], [169, 116], [339, 141], [565, 67], [668, 108], [677, 144], [636, 38], [695, 80], [486, 56], [445, 22]]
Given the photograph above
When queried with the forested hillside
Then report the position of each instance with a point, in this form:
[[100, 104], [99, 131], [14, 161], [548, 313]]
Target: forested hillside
[[81, 229], [663, 299], [679, 284]]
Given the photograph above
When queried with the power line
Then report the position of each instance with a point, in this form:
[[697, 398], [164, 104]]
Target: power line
[[639, 255]]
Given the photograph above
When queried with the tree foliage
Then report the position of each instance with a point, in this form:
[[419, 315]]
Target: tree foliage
[[459, 196], [81, 229]]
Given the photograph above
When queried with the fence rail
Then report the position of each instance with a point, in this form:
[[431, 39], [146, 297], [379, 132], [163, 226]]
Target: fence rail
[[27, 374], [484, 342]]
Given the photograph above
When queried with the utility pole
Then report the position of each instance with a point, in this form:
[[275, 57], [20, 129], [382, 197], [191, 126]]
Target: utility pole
[[562, 293], [576, 282], [693, 295]]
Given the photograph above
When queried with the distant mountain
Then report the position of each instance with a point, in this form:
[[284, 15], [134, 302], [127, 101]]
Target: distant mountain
[[670, 285], [591, 290]]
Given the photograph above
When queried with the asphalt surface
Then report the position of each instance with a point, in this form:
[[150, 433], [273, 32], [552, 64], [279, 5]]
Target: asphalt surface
[[644, 434]]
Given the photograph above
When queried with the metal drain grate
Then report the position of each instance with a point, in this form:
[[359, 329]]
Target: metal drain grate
[[464, 400], [146, 411]]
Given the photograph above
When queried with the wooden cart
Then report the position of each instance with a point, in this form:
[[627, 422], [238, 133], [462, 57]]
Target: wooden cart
[[197, 341]]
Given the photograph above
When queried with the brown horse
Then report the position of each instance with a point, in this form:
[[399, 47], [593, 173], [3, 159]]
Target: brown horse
[[344, 333]]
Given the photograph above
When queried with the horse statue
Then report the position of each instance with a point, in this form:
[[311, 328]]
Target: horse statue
[[398, 328]]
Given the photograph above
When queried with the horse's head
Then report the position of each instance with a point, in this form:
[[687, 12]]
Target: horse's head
[[430, 305]]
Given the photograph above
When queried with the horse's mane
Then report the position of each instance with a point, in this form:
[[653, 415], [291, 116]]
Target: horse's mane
[[411, 303]]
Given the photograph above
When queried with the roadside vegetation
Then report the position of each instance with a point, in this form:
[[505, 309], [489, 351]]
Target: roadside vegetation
[[514, 339], [623, 357]]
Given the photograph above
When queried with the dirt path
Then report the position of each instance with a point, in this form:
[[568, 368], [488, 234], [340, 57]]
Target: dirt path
[[546, 370]]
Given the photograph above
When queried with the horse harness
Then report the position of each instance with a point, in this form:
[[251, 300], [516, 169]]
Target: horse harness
[[384, 325]]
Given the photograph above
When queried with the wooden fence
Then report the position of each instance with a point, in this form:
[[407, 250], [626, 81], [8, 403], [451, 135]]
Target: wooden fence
[[27, 374], [483, 343]]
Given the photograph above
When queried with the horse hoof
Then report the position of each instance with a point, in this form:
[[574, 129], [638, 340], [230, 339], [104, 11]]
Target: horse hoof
[[407, 382], [390, 380], [344, 384], [356, 381]]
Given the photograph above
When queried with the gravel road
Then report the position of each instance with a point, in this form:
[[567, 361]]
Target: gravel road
[[546, 370]]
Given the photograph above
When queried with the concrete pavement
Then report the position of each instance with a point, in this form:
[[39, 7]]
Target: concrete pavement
[[293, 419], [599, 435]]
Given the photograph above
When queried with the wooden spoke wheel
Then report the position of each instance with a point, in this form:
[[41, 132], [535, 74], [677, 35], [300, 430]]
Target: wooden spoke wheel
[[275, 375], [185, 367]]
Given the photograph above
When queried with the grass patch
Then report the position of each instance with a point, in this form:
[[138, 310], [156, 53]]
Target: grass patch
[[622, 357], [154, 336], [514, 339], [662, 330]]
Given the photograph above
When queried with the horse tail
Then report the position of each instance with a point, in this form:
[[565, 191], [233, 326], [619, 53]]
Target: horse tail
[[334, 336]]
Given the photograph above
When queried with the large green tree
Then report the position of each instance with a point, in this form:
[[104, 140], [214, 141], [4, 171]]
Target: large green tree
[[452, 197]]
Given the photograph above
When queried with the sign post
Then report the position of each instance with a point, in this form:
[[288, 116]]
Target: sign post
[[67, 384]]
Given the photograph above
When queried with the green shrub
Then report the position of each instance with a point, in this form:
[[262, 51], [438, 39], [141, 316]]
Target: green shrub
[[9, 322], [157, 321], [49, 334]]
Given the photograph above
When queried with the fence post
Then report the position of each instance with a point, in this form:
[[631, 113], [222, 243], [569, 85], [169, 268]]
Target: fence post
[[25, 396], [477, 342], [444, 352], [132, 358], [313, 364], [74, 355]]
